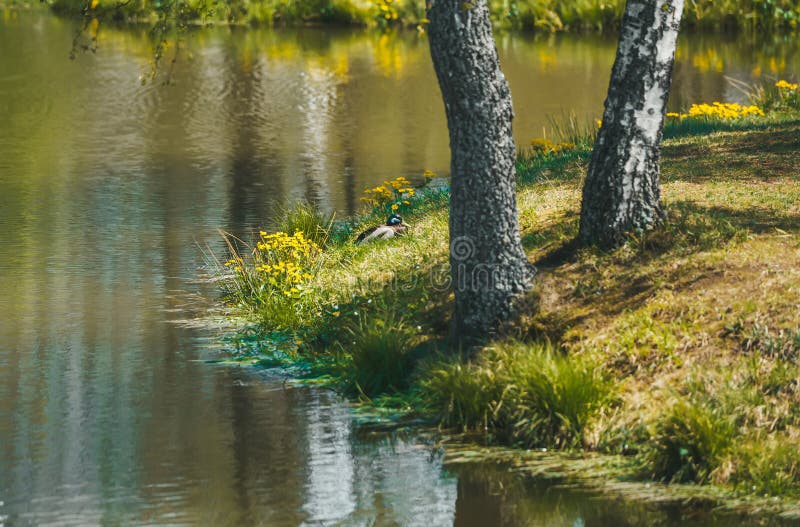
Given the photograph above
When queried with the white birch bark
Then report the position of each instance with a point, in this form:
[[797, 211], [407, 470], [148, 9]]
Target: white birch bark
[[622, 193]]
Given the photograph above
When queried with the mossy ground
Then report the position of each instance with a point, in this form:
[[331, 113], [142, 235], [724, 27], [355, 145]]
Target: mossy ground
[[687, 337]]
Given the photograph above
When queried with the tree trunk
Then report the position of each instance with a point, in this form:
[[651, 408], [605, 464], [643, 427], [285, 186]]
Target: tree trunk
[[621, 193], [488, 266]]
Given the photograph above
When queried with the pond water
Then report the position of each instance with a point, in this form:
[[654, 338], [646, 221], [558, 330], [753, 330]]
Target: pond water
[[110, 188]]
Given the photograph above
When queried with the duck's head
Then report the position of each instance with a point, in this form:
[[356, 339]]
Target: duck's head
[[394, 219]]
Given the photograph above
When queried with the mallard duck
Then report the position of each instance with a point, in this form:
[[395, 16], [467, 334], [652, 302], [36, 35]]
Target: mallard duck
[[394, 227]]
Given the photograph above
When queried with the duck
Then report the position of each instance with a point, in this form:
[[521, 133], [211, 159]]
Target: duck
[[394, 227]]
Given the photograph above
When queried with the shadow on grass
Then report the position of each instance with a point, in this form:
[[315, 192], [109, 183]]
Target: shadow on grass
[[766, 155], [607, 283], [562, 165]]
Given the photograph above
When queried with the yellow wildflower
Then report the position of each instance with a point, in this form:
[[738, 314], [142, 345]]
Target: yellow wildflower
[[723, 110], [390, 194], [786, 85]]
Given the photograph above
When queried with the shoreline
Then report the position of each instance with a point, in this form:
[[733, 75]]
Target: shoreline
[[573, 20], [642, 325]]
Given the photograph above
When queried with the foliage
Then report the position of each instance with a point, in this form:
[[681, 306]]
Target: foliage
[[780, 96], [536, 15], [743, 14], [767, 466], [552, 15], [285, 261]]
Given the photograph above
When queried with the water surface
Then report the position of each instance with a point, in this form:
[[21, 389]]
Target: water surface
[[110, 188]]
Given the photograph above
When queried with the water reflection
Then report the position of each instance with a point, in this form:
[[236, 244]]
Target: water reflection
[[109, 188], [490, 495]]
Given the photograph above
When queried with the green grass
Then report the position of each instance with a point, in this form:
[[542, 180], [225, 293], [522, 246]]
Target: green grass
[[688, 443], [378, 353], [767, 466], [679, 349], [308, 219], [529, 395]]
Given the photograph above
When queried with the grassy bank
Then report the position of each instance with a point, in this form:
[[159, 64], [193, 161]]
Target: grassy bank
[[679, 351], [539, 15]]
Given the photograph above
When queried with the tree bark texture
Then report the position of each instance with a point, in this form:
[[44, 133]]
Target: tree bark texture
[[622, 193], [488, 266]]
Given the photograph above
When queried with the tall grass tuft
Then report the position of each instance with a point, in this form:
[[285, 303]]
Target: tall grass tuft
[[379, 357], [768, 466], [553, 396], [529, 394], [462, 394], [308, 219], [569, 128], [689, 442]]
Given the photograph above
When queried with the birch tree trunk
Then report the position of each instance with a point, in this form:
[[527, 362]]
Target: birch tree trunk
[[488, 265], [622, 193]]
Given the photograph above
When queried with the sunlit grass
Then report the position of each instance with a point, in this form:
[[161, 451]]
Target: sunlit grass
[[308, 219], [527, 394], [680, 348], [689, 441]]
